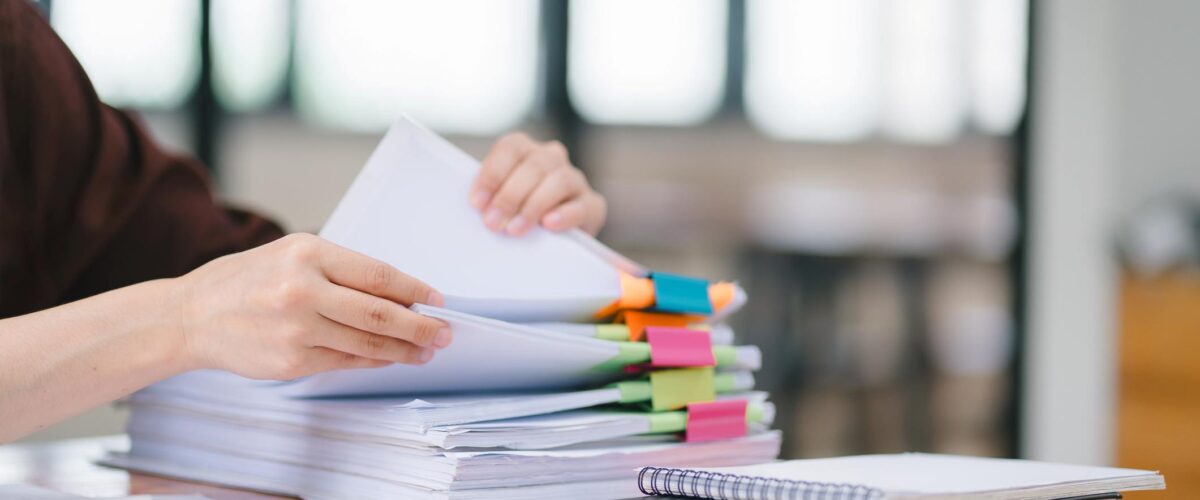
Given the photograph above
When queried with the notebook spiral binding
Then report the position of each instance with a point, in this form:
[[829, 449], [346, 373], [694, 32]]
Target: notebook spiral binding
[[702, 484]]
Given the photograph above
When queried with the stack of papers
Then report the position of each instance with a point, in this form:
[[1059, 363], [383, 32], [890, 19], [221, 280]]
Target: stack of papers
[[571, 368]]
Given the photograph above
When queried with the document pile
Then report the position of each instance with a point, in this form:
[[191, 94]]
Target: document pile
[[571, 367]]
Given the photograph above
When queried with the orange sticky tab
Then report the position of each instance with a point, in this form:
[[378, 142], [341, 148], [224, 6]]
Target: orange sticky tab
[[636, 293], [639, 320], [721, 294]]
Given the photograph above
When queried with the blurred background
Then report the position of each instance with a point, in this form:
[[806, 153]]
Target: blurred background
[[966, 226]]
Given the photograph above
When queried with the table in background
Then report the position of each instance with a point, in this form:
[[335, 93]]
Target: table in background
[[69, 466]]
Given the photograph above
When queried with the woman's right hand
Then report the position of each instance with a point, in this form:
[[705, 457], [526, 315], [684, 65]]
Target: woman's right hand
[[303, 305]]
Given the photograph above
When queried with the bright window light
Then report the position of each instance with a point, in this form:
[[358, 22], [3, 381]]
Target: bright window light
[[997, 64], [464, 66], [138, 53], [812, 68], [658, 62], [250, 52], [925, 93]]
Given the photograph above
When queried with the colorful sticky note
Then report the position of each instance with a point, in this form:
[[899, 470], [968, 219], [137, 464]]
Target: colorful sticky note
[[673, 389], [679, 347], [714, 420], [680, 294], [637, 321], [612, 332]]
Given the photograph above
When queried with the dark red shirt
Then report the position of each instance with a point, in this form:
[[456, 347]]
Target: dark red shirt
[[88, 201]]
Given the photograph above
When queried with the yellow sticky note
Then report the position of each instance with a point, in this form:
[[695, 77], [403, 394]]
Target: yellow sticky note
[[673, 389]]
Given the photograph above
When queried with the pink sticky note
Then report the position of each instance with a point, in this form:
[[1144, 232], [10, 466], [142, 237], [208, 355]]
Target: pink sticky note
[[723, 419], [679, 347]]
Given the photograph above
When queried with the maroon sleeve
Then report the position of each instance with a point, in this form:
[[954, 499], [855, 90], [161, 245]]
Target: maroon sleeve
[[88, 201]]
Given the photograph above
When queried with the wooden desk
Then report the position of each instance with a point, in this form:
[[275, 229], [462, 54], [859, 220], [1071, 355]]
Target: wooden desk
[[70, 466]]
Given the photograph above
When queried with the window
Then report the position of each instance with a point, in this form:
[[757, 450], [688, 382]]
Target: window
[[647, 62], [813, 68], [913, 70], [925, 93], [466, 66], [999, 44], [138, 53], [250, 52]]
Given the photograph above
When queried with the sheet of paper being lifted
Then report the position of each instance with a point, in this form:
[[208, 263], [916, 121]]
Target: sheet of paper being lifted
[[409, 207], [486, 355]]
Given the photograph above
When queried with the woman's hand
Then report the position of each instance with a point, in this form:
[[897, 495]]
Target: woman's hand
[[302, 305], [524, 182]]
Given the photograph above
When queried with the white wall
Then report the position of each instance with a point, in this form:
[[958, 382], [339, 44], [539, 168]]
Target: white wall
[[1069, 348], [1114, 123]]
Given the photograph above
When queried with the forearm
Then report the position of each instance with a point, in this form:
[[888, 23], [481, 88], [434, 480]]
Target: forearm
[[59, 362]]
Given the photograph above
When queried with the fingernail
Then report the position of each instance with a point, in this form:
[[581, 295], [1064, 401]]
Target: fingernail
[[425, 356], [552, 220], [443, 338], [435, 299], [494, 219], [517, 226], [479, 199]]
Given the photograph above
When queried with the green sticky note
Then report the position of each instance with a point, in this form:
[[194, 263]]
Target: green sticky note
[[619, 333], [628, 353], [754, 414], [725, 382], [726, 355], [674, 389], [667, 421], [634, 391]]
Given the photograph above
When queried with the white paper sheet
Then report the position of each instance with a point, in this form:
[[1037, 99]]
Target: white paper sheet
[[409, 207], [919, 474], [486, 355]]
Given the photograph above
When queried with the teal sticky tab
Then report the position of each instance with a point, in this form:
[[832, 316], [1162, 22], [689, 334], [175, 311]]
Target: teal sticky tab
[[680, 294]]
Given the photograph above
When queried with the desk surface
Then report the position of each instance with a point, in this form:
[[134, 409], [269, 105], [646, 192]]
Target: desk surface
[[69, 466]]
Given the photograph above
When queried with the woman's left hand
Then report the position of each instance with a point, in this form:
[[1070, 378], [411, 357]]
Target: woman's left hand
[[524, 182]]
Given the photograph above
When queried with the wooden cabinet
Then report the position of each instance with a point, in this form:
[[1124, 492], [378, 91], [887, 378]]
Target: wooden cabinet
[[1159, 402]]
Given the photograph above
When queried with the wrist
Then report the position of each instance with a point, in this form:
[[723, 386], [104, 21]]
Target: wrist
[[168, 332]]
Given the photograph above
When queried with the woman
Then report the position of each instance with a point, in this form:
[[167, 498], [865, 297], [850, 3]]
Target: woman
[[118, 269]]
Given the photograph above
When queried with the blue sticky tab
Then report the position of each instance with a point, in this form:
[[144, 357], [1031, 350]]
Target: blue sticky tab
[[680, 294]]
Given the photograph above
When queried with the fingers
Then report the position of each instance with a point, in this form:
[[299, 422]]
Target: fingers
[[565, 216], [543, 178], [585, 212], [506, 154], [556, 189], [368, 345], [381, 317], [323, 359], [354, 270]]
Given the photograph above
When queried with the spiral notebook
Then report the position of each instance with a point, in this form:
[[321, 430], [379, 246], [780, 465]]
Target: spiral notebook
[[903, 476]]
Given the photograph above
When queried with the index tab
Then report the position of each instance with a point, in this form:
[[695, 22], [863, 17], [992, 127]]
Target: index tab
[[681, 294], [674, 389], [614, 332], [713, 420], [721, 294], [679, 347], [628, 353], [636, 293], [637, 321], [634, 391]]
